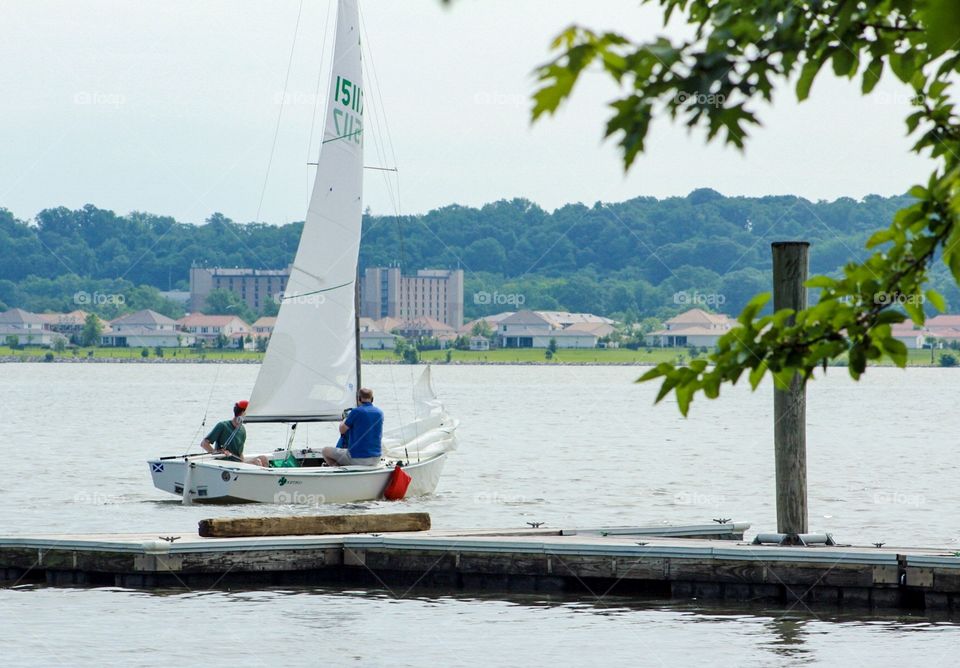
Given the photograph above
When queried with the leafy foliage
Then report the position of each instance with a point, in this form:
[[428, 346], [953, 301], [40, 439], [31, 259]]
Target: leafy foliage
[[636, 259], [92, 329], [224, 302]]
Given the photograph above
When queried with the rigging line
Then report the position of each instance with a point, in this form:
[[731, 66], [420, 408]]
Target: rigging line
[[399, 225], [377, 109], [377, 169], [380, 150], [316, 94], [352, 134], [315, 292], [377, 134], [376, 82], [374, 109], [206, 410], [276, 131]]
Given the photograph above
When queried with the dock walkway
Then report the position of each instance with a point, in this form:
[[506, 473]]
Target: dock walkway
[[635, 561]]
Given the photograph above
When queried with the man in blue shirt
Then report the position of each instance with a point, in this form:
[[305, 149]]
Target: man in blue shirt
[[360, 435]]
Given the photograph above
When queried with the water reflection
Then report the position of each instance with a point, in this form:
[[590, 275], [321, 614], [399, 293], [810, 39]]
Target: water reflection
[[787, 635]]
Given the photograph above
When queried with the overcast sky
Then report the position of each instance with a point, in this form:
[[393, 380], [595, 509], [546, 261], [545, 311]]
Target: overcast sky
[[171, 107]]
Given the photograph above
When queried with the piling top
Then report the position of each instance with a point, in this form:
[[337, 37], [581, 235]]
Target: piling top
[[781, 244]]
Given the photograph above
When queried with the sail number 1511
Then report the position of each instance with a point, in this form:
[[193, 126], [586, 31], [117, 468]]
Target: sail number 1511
[[350, 95]]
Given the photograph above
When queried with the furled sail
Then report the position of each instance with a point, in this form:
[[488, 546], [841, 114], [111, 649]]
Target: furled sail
[[309, 372]]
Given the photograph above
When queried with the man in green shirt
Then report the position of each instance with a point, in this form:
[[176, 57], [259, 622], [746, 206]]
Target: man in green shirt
[[228, 437]]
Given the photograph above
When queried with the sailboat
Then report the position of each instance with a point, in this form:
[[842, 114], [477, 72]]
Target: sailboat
[[311, 369]]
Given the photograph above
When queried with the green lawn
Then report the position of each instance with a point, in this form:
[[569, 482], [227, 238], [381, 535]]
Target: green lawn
[[499, 356], [527, 355], [136, 353]]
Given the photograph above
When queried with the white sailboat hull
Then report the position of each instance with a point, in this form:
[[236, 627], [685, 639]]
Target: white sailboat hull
[[210, 480]]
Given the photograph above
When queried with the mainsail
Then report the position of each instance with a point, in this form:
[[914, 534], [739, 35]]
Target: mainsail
[[310, 370]]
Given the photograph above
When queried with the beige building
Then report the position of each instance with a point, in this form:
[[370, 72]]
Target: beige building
[[424, 326], [144, 328], [70, 325], [256, 287], [209, 328], [431, 293], [536, 329], [26, 327], [264, 326], [695, 327], [911, 336], [944, 326]]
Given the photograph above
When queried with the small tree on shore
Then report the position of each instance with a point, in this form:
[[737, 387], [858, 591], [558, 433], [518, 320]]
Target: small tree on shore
[[92, 329]]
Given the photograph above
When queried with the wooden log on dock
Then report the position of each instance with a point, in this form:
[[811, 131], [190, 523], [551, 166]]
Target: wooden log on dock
[[313, 525]]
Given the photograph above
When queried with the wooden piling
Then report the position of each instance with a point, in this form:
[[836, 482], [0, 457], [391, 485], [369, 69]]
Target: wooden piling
[[790, 268]]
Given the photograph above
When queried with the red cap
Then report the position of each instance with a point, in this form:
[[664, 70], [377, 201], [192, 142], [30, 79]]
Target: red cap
[[242, 405]]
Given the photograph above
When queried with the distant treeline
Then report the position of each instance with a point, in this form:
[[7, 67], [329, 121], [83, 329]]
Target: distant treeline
[[640, 258]]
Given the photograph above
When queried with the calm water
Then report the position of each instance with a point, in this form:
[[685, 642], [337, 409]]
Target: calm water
[[568, 446]]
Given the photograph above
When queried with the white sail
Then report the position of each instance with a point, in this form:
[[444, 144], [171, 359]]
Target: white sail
[[425, 401], [310, 369]]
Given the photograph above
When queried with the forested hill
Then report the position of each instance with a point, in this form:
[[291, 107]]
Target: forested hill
[[630, 257]]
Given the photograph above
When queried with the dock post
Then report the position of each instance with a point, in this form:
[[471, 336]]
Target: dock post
[[790, 267]]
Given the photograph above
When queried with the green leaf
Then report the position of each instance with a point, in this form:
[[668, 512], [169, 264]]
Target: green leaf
[[756, 375], [871, 76], [807, 74], [889, 317], [937, 300], [915, 311], [879, 237], [684, 397], [783, 379], [548, 99], [843, 59], [753, 307], [857, 360], [903, 65], [951, 253], [896, 350], [669, 383], [821, 282], [942, 22], [711, 387], [661, 369]]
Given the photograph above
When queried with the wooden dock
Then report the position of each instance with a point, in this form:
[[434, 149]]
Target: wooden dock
[[655, 561]]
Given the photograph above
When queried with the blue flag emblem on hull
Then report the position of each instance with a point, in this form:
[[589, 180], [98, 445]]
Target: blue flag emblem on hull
[[157, 467]]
